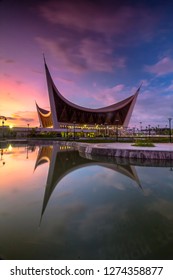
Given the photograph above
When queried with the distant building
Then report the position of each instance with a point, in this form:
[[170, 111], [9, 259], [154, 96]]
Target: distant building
[[64, 114]]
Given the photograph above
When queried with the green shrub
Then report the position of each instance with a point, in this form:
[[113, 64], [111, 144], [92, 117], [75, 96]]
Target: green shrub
[[145, 142]]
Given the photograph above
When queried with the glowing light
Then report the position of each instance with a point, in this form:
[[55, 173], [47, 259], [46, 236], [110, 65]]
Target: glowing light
[[10, 147], [11, 126]]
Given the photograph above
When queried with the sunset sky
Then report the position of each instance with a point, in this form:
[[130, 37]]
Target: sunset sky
[[98, 53]]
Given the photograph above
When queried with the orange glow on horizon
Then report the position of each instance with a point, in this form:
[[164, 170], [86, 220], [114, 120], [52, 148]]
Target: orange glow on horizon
[[18, 104], [18, 168]]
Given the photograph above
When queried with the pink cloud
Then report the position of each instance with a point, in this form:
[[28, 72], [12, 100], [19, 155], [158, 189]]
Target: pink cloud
[[22, 118], [109, 96], [17, 95], [82, 16], [9, 61], [85, 55], [89, 34], [170, 87], [150, 107], [162, 67], [99, 56], [64, 52]]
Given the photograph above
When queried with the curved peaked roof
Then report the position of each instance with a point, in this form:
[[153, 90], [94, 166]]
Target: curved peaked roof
[[45, 117], [64, 111]]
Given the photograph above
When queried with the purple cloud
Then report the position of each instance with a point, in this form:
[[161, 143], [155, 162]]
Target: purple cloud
[[96, 17], [108, 96], [150, 107], [89, 34], [85, 55], [162, 67], [9, 61]]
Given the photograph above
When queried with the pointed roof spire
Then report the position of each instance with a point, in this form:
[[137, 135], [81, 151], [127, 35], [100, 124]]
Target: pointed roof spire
[[140, 86], [138, 90], [44, 58]]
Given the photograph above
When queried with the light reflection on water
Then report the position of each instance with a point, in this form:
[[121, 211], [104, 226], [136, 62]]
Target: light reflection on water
[[57, 204]]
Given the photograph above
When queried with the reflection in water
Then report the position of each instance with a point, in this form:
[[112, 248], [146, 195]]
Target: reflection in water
[[62, 162], [91, 207]]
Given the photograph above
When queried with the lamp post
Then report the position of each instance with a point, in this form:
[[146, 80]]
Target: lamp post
[[149, 130], [28, 130], [146, 131], [158, 130], [2, 152], [27, 152], [134, 131], [170, 134], [3, 119], [141, 127]]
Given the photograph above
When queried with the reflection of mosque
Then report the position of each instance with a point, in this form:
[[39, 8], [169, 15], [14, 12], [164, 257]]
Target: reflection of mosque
[[63, 160]]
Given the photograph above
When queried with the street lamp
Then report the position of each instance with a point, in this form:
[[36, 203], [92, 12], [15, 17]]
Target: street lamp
[[28, 130], [134, 130], [146, 131], [2, 152], [27, 152], [170, 134], [158, 131], [3, 119], [141, 127], [149, 130]]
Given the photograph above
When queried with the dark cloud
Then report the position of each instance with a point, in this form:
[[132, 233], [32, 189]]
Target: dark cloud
[[19, 83], [83, 55], [22, 116], [88, 35], [9, 61], [7, 75], [17, 118], [109, 20]]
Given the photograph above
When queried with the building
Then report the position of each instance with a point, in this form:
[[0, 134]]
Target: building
[[67, 116]]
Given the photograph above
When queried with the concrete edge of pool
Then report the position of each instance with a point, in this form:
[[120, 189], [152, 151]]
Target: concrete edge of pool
[[126, 150]]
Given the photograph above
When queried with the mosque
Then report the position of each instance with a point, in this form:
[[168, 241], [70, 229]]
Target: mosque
[[65, 116]]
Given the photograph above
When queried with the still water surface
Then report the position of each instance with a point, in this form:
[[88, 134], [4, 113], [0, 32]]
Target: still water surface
[[57, 204]]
